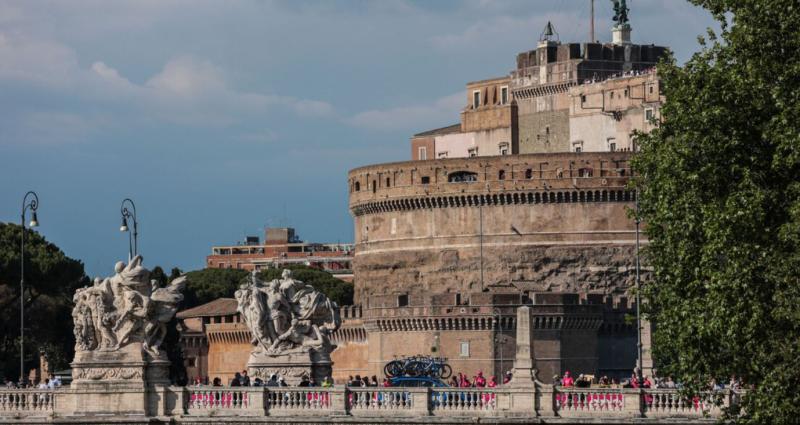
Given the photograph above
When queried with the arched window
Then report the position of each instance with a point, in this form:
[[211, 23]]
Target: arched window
[[358, 186]]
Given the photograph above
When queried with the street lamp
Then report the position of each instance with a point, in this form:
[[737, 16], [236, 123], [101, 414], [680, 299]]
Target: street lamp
[[33, 204], [639, 376], [132, 239]]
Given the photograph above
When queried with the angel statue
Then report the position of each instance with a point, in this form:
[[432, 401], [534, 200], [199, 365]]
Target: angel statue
[[163, 306], [286, 315], [620, 12]]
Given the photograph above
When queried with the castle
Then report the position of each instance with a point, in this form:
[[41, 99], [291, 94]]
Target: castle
[[524, 202]]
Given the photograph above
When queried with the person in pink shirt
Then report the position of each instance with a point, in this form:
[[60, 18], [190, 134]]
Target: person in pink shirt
[[567, 380], [479, 380], [492, 382]]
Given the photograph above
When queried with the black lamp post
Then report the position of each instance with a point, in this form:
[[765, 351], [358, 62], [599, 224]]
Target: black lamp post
[[639, 376], [31, 204], [133, 249]]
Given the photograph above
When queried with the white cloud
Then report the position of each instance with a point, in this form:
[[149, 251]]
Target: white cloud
[[188, 76], [443, 111], [186, 91], [36, 61]]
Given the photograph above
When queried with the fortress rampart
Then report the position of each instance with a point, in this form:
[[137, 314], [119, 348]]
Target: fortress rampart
[[530, 223]]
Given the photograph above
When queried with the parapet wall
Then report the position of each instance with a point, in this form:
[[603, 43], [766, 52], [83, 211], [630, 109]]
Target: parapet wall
[[538, 222]]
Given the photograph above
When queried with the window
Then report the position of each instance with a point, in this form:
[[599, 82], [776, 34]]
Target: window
[[472, 152], [612, 147], [528, 174], [190, 362], [358, 186], [503, 148], [462, 177], [476, 99], [547, 130], [441, 154], [651, 89], [626, 92], [583, 98], [612, 94], [423, 153], [501, 175], [464, 348], [426, 180], [374, 186], [648, 114], [402, 300], [578, 149], [577, 146], [504, 95], [387, 182]]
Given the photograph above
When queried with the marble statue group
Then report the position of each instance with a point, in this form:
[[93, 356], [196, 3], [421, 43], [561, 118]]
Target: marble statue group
[[124, 308], [286, 315]]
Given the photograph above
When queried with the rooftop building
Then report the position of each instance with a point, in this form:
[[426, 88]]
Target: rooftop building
[[283, 247]]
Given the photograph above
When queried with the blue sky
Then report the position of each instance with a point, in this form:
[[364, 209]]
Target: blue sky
[[220, 118]]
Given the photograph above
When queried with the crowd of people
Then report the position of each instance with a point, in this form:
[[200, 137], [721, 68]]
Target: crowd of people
[[50, 383], [243, 380], [478, 381], [587, 381]]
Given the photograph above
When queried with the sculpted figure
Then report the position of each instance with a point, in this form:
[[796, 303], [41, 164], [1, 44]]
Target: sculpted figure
[[279, 309], [252, 308], [124, 308], [163, 305], [287, 314]]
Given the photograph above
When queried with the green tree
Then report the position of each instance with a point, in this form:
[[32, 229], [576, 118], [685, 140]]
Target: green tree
[[336, 289], [50, 281], [206, 285], [720, 193]]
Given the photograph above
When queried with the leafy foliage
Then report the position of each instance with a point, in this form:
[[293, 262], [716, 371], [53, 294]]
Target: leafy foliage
[[336, 289], [206, 285], [720, 193], [50, 280]]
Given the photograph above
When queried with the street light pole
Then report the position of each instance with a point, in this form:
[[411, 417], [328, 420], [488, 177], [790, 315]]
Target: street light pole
[[33, 205], [638, 299], [133, 248]]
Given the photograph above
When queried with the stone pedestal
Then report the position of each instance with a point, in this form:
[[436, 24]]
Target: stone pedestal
[[524, 368], [621, 34], [126, 382], [291, 366]]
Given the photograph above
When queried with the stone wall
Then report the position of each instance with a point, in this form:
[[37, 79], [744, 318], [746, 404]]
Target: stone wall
[[526, 222]]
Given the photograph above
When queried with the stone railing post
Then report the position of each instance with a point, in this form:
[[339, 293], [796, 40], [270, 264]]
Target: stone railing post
[[339, 404], [633, 402], [546, 401], [257, 401], [175, 401], [421, 401]]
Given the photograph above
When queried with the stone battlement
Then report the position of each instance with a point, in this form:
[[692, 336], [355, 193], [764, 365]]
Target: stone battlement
[[535, 173]]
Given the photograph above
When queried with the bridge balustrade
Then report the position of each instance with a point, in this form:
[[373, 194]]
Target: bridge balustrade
[[26, 402], [377, 402], [470, 400]]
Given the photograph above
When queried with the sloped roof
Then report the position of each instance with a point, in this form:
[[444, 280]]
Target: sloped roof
[[218, 307], [455, 128]]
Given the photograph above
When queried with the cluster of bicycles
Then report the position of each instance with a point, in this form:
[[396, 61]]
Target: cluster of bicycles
[[415, 366]]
